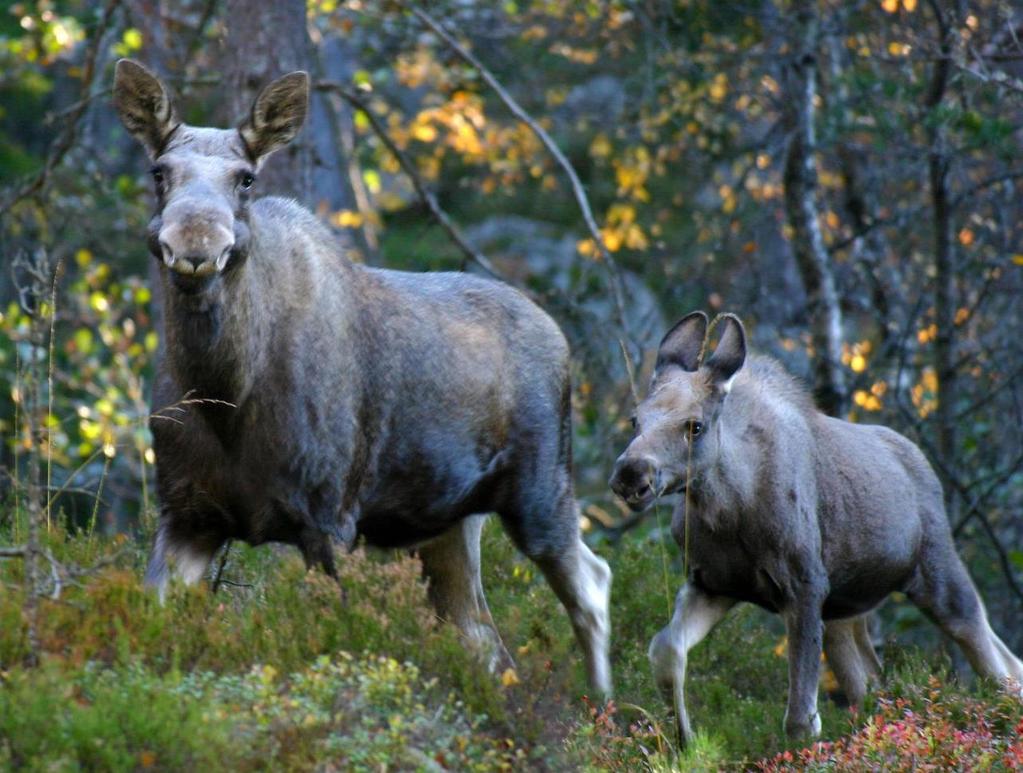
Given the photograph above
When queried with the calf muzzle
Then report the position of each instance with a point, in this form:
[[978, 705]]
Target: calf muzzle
[[635, 480]]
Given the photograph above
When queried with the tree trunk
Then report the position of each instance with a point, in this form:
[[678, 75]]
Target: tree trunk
[[800, 184], [945, 300], [265, 40]]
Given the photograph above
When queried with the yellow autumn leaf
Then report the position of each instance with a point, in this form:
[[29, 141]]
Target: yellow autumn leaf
[[601, 146], [424, 132], [782, 647], [1018, 259], [509, 678], [890, 6], [132, 39]]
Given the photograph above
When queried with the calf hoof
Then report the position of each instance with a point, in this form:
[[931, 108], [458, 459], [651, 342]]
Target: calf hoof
[[806, 729], [683, 733]]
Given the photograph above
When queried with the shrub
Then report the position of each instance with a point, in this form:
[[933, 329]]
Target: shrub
[[927, 728]]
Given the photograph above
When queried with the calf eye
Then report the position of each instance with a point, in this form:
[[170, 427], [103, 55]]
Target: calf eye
[[157, 173], [246, 180], [695, 428], [633, 422]]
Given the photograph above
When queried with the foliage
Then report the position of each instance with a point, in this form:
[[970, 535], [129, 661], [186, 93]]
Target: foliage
[[280, 669], [931, 726], [357, 713]]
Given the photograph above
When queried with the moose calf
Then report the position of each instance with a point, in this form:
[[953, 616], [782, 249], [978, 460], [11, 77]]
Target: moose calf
[[807, 516], [303, 398]]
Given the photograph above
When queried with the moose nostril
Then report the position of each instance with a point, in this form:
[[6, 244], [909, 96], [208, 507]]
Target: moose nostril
[[195, 261]]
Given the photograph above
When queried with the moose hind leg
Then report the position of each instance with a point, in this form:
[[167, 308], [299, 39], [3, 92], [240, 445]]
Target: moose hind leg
[[696, 614], [451, 564], [952, 601], [582, 582], [868, 655], [852, 667]]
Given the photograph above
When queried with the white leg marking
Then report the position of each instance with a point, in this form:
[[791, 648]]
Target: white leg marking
[[696, 613]]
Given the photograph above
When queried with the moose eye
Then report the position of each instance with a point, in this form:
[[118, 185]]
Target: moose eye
[[633, 422], [695, 428], [246, 180], [157, 173]]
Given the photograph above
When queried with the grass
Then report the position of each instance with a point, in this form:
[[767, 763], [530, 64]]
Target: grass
[[280, 670]]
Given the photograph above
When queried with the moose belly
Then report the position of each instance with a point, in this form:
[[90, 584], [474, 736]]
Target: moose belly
[[860, 591], [729, 565], [413, 504]]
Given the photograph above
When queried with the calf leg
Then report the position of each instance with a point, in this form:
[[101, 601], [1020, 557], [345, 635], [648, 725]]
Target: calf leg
[[804, 627], [949, 598], [853, 666], [451, 564], [868, 655], [696, 614], [179, 555]]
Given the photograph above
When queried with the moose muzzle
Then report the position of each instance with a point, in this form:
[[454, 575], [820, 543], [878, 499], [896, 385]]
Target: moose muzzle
[[635, 480], [196, 243]]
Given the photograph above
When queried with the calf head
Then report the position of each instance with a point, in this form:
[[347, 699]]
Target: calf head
[[204, 176], [677, 425]]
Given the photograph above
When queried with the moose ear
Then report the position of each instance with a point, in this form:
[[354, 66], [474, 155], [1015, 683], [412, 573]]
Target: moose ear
[[277, 115], [730, 354], [143, 105], [683, 343]]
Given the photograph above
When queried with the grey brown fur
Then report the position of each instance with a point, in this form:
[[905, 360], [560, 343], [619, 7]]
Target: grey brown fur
[[808, 516], [306, 399]]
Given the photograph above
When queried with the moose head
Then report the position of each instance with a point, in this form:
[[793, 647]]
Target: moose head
[[204, 176], [676, 424]]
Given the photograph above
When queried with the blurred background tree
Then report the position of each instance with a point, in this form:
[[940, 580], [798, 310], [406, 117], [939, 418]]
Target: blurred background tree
[[846, 176]]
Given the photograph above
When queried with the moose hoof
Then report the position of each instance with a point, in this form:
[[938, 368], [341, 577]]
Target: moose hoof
[[811, 728], [683, 734]]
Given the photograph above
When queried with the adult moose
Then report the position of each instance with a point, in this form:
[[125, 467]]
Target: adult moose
[[808, 516], [313, 399]]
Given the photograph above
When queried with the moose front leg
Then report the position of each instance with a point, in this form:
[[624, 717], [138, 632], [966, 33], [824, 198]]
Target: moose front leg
[[805, 630], [184, 556], [696, 614]]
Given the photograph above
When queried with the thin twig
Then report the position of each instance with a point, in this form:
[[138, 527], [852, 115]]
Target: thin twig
[[409, 168], [218, 578]]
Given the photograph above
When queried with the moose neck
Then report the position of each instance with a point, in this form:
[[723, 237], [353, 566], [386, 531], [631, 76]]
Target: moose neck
[[213, 337], [729, 479]]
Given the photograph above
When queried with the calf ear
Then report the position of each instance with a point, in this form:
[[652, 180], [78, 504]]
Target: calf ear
[[683, 344], [277, 115], [143, 105], [730, 354]]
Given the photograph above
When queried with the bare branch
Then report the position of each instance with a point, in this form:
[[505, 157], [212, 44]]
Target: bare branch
[[614, 272], [409, 168]]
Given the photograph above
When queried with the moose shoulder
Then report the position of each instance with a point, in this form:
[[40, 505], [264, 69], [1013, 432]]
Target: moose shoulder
[[306, 399], [808, 516]]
